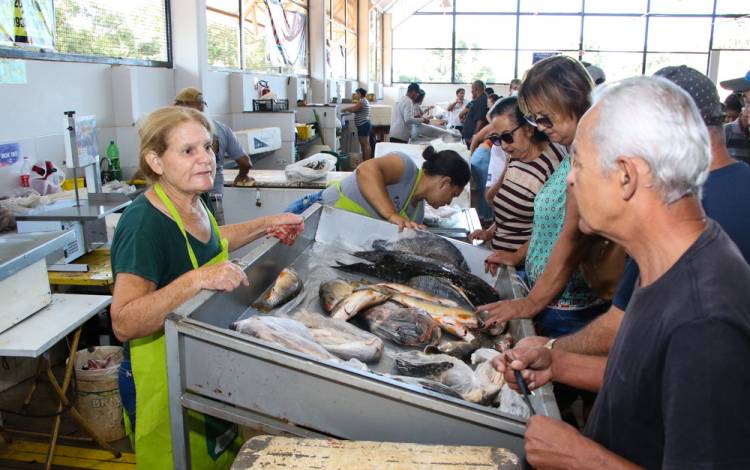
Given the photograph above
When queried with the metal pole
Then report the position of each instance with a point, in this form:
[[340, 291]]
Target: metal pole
[[74, 152]]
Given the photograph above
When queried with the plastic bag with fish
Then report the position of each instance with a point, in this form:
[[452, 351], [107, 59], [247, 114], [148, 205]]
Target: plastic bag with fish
[[292, 335], [457, 349], [425, 244], [285, 332], [450, 372], [482, 359], [402, 325], [341, 338], [427, 384], [286, 286]]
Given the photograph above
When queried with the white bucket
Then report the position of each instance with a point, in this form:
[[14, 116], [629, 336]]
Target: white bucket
[[98, 394]]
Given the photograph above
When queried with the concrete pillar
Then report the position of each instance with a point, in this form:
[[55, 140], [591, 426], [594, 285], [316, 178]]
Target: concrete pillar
[[317, 25], [363, 44], [189, 43], [387, 44]]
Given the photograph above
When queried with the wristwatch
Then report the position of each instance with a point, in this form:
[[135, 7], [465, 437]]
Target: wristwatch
[[550, 343]]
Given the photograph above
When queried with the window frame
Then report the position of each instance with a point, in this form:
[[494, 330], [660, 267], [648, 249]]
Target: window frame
[[34, 53], [581, 51], [271, 70]]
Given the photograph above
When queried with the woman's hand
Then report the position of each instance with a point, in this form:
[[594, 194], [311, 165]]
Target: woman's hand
[[225, 276], [500, 258], [480, 234], [285, 227], [403, 222]]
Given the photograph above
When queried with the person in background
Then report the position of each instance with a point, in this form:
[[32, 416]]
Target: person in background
[[475, 116], [362, 113], [532, 161], [225, 145], [418, 111], [663, 402], [491, 100], [597, 74], [737, 135], [167, 247], [515, 84], [454, 110], [402, 116], [732, 107], [741, 86], [394, 189], [489, 91]]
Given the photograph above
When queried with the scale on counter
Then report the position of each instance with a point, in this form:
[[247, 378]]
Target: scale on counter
[[85, 218]]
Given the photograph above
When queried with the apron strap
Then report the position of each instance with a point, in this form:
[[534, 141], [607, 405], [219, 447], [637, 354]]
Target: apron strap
[[178, 220], [405, 208]]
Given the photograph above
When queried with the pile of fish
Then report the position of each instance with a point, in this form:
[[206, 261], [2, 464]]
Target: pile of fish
[[426, 307]]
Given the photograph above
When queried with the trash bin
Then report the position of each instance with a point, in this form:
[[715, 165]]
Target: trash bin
[[98, 398]]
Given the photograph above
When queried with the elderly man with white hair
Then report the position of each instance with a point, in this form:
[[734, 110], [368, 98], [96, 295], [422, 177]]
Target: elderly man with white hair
[[673, 392]]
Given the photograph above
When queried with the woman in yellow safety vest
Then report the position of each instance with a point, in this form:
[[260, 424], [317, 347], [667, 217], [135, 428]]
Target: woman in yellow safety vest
[[393, 188], [166, 248]]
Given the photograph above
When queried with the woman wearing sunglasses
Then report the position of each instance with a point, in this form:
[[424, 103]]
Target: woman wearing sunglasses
[[533, 160], [553, 96]]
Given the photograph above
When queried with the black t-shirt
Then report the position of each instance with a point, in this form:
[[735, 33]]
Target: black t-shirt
[[726, 199], [477, 111], [675, 392]]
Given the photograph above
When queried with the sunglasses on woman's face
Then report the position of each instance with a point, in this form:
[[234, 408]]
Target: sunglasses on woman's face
[[506, 137], [542, 121]]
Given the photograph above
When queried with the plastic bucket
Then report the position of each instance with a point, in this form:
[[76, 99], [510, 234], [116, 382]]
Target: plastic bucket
[[98, 398]]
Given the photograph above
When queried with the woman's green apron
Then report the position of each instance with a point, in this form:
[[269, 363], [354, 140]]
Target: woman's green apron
[[209, 437], [347, 204]]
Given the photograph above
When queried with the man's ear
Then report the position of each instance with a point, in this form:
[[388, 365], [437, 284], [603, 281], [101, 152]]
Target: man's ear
[[154, 162], [627, 173]]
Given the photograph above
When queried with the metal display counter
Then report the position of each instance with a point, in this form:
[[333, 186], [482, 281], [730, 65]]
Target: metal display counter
[[228, 375]]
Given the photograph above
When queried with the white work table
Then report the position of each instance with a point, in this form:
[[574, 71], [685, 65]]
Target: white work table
[[36, 334], [277, 179]]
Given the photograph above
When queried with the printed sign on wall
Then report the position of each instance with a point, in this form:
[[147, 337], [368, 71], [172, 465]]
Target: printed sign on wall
[[9, 154]]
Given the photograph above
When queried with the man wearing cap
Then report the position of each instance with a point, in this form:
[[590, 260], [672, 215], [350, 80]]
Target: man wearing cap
[[225, 145], [672, 391], [737, 135], [739, 85]]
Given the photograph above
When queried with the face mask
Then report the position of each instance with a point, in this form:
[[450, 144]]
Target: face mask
[[514, 93]]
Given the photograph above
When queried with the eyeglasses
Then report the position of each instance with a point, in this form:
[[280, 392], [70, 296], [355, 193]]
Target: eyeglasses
[[506, 137], [543, 120]]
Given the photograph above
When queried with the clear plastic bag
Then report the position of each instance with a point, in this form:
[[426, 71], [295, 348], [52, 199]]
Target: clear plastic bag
[[341, 338], [311, 168]]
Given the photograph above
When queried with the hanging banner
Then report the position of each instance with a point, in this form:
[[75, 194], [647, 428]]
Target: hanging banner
[[286, 39], [7, 23], [35, 23], [537, 56]]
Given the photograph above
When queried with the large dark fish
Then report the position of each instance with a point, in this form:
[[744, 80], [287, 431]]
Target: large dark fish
[[428, 245], [284, 289], [443, 288], [400, 266], [402, 325]]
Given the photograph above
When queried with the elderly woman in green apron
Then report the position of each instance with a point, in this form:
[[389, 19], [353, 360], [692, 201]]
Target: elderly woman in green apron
[[166, 248], [393, 188]]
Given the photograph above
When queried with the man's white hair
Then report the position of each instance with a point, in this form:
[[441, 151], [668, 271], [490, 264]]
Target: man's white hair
[[654, 119]]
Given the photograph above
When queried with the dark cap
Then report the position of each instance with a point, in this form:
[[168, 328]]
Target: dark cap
[[737, 84], [700, 88]]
